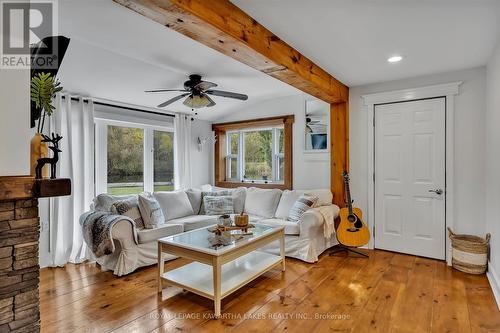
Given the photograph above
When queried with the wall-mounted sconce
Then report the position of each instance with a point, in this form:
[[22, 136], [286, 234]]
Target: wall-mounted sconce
[[202, 141]]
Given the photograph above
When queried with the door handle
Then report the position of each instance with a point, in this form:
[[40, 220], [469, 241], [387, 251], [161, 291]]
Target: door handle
[[439, 191]]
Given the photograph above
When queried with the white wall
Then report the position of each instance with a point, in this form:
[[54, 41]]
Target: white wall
[[202, 161], [470, 111], [15, 132], [310, 170], [493, 167]]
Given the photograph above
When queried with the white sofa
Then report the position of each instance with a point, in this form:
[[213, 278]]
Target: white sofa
[[304, 240]]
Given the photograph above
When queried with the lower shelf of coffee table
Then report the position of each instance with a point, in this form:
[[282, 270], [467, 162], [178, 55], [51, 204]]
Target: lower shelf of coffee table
[[198, 278]]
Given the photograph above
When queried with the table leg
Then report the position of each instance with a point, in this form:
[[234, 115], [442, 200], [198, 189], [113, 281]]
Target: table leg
[[282, 251], [161, 267], [217, 286]]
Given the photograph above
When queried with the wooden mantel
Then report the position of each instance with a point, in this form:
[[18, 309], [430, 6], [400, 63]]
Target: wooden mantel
[[27, 187], [224, 27]]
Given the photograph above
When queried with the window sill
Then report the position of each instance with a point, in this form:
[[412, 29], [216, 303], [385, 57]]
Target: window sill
[[229, 184]]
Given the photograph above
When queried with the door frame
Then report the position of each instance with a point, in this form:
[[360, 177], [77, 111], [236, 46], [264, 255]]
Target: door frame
[[448, 91]]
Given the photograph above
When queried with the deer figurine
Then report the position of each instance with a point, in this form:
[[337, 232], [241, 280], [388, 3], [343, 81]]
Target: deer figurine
[[49, 160]]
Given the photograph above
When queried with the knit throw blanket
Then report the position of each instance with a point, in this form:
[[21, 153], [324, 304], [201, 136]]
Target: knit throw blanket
[[97, 227], [328, 213]]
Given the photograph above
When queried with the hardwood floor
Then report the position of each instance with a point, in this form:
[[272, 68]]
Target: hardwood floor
[[388, 292]]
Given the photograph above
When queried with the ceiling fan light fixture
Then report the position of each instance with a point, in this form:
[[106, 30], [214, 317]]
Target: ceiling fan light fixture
[[196, 101]]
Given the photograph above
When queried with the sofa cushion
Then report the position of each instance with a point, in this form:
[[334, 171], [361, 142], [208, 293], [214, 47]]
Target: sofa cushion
[[104, 201], [206, 188], [151, 212], [239, 196], [262, 202], [174, 204], [286, 203], [291, 228], [195, 221], [194, 196], [325, 196], [151, 235]]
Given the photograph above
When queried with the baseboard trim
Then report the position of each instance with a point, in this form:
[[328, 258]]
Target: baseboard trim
[[494, 283]]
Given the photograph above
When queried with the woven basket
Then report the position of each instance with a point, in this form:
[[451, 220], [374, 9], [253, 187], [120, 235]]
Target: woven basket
[[470, 253]]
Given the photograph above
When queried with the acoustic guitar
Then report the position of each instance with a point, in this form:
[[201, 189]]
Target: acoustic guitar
[[352, 231]]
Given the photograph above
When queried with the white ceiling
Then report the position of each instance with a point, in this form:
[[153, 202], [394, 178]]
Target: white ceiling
[[353, 39], [116, 54]]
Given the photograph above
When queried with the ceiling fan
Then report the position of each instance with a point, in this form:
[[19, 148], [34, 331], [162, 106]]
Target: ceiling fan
[[197, 93]]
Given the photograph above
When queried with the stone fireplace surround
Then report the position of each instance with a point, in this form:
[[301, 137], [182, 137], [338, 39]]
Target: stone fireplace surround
[[19, 236]]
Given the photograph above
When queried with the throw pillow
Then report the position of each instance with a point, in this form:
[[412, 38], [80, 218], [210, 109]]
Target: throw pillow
[[218, 205], [211, 194], [174, 204], [130, 209], [300, 206], [194, 196], [104, 201], [151, 212]]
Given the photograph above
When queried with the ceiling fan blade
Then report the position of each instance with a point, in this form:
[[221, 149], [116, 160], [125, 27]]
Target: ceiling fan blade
[[170, 101], [212, 102], [227, 94], [204, 85], [163, 90]]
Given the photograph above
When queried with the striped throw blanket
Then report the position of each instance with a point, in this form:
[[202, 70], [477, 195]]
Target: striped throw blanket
[[97, 227]]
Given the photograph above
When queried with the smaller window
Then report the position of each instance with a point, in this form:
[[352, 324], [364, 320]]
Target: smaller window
[[254, 153]]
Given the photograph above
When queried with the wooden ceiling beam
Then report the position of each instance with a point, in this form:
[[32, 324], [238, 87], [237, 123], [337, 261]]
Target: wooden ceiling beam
[[222, 26]]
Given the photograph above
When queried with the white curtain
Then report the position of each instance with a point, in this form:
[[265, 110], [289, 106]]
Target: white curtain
[[182, 151], [74, 121]]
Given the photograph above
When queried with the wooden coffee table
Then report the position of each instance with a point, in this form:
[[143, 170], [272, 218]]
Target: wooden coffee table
[[218, 271]]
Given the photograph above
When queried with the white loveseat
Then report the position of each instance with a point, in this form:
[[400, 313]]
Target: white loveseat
[[304, 240]]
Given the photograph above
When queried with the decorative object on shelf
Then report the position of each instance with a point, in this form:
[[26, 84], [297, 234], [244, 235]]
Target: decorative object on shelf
[[52, 160], [43, 89], [469, 253], [51, 48], [241, 220], [223, 235], [38, 149], [220, 229], [225, 220], [316, 126]]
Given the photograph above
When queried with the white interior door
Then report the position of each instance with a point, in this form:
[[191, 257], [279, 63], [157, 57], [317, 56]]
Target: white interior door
[[410, 177]]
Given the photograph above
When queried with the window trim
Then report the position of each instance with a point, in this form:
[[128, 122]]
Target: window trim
[[240, 156], [101, 151], [222, 156]]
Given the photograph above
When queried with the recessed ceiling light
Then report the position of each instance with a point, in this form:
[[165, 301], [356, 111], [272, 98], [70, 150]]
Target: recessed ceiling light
[[395, 59]]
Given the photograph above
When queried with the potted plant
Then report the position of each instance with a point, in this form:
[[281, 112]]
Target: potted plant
[[44, 87]]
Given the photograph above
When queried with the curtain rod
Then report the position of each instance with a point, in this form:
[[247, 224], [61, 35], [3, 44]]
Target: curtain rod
[[123, 107]]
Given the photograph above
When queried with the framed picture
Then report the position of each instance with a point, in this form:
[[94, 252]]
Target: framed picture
[[316, 126]]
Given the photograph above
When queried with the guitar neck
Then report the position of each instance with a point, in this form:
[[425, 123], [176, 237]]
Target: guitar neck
[[348, 195]]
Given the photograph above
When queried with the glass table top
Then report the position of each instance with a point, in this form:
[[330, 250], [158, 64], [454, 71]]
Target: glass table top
[[205, 241]]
